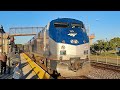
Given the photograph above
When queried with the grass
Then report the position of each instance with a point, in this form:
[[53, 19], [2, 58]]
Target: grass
[[111, 54]]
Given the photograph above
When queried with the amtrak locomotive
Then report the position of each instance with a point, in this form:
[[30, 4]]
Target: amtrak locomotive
[[65, 44]]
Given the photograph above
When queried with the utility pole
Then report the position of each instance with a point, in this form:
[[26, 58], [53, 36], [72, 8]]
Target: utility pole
[[89, 40], [88, 33]]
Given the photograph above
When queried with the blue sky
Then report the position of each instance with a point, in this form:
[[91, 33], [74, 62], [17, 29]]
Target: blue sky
[[104, 24]]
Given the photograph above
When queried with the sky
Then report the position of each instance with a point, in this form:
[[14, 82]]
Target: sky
[[104, 24]]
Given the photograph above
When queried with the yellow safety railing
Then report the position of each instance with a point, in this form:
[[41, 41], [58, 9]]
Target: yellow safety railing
[[42, 74]]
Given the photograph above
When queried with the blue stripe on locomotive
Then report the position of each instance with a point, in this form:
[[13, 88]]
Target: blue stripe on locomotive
[[59, 34]]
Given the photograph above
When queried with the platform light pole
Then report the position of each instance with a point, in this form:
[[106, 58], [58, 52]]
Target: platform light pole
[[88, 34]]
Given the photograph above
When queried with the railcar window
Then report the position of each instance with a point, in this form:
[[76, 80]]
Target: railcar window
[[61, 25], [77, 25]]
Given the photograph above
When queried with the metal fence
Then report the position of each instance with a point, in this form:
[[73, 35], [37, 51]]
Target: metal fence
[[105, 59]]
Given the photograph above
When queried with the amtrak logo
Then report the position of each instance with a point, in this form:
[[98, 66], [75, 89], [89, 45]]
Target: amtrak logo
[[72, 34]]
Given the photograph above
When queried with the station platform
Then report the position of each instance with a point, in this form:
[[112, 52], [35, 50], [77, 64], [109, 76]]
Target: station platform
[[27, 70]]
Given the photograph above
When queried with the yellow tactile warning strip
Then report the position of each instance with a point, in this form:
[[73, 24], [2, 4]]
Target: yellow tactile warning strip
[[27, 71], [42, 74]]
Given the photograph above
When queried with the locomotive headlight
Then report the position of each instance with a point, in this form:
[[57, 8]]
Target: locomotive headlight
[[74, 41], [63, 41]]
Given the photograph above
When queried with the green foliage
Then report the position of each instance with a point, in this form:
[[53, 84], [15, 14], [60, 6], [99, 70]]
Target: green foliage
[[104, 45], [115, 42]]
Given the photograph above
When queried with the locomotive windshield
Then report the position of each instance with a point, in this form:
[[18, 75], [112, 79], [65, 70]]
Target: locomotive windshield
[[77, 25], [61, 25]]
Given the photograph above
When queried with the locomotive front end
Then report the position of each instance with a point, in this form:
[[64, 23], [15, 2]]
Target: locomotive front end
[[72, 47]]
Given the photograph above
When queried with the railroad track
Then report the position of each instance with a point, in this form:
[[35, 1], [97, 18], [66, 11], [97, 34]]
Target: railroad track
[[101, 71], [104, 71], [106, 66]]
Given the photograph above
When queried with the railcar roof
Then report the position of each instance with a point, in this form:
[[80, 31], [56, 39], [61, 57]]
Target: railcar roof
[[66, 20]]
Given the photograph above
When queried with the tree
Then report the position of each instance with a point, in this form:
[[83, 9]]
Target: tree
[[115, 42], [102, 45]]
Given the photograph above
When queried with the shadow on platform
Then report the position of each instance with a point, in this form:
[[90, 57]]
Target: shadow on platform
[[26, 75], [23, 65], [34, 77]]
